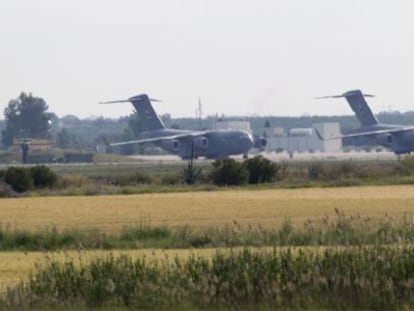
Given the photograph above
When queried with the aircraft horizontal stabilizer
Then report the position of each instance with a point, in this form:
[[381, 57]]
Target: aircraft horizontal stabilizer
[[329, 96], [341, 96], [114, 102], [131, 100]]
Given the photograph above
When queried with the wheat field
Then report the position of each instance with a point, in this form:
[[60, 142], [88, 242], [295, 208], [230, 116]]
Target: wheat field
[[257, 207], [200, 209]]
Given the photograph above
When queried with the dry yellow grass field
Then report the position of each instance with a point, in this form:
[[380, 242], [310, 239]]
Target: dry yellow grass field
[[264, 207], [199, 209]]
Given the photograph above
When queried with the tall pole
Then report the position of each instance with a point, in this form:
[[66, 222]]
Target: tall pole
[[200, 113]]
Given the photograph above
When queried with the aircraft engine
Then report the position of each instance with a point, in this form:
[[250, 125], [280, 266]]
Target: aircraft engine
[[172, 144], [407, 138], [384, 139], [260, 142], [201, 142]]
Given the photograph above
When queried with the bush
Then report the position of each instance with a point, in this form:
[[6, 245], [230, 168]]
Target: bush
[[140, 178], [316, 171], [170, 179], [229, 172], [137, 178], [333, 171], [343, 169], [43, 176], [22, 179], [18, 178], [261, 170], [5, 190], [405, 166], [190, 174]]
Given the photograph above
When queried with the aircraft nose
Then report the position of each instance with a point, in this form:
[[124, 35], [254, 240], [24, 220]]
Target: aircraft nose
[[247, 140]]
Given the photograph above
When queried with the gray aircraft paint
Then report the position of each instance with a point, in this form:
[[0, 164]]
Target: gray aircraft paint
[[360, 107], [212, 144], [399, 138]]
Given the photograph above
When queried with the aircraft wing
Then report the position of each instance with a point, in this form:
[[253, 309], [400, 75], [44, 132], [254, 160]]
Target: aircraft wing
[[160, 138], [368, 133]]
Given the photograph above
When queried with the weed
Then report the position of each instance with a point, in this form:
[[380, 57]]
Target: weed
[[364, 277], [339, 231]]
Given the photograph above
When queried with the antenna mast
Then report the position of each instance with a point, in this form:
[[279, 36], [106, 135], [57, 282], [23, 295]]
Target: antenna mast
[[199, 113]]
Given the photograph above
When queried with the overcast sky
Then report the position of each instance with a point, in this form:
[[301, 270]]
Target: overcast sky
[[258, 57]]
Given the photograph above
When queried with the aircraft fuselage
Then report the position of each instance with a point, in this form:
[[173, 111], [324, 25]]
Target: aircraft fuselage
[[213, 144]]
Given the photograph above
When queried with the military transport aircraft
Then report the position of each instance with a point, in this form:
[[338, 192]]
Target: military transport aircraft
[[212, 144], [399, 138]]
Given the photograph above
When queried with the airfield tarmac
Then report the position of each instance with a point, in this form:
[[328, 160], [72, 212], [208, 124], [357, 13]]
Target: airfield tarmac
[[165, 160], [284, 156]]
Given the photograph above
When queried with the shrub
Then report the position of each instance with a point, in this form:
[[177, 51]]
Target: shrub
[[316, 171], [229, 172], [190, 174], [333, 171], [133, 179], [171, 179], [405, 166], [343, 169], [261, 170], [140, 178], [43, 176], [5, 190], [18, 178]]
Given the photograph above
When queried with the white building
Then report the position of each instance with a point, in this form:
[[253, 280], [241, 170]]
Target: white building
[[304, 139], [243, 125], [295, 140], [326, 130]]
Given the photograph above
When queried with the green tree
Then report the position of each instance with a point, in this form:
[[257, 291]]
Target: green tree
[[18, 178], [26, 117], [229, 172], [63, 139], [130, 148], [261, 170], [42, 176]]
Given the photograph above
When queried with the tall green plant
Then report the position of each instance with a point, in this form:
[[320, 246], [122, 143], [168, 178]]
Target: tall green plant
[[43, 176], [365, 277], [18, 178], [261, 170], [191, 174], [229, 172]]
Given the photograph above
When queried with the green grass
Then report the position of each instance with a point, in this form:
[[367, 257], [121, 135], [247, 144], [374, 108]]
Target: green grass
[[163, 176], [340, 231], [364, 277], [176, 308]]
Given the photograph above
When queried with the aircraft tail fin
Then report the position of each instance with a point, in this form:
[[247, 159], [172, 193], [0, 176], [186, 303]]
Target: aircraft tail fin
[[356, 99], [151, 121], [142, 103]]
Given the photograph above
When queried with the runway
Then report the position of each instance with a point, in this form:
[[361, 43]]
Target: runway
[[284, 156]]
